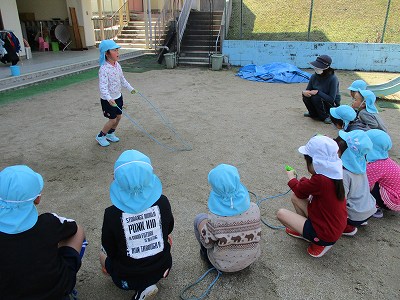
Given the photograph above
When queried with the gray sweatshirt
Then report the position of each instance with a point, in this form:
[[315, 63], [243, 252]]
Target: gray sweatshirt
[[360, 202]]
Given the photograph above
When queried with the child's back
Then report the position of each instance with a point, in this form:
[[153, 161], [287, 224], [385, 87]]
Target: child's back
[[231, 232], [38, 259]]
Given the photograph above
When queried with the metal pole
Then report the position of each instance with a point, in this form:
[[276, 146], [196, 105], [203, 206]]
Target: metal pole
[[241, 19], [150, 29], [386, 18], [310, 19]]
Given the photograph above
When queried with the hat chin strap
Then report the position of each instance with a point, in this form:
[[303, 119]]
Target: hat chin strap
[[231, 202], [19, 201]]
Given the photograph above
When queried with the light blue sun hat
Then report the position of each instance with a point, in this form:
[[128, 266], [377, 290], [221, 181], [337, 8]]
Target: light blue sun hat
[[19, 187], [358, 145], [358, 84], [345, 113], [369, 98], [228, 196], [381, 144], [135, 187], [104, 46]]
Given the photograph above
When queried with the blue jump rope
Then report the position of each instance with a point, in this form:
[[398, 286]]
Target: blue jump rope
[[259, 201], [165, 121]]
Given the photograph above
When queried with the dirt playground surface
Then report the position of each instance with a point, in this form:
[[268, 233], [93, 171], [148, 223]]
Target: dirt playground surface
[[255, 126]]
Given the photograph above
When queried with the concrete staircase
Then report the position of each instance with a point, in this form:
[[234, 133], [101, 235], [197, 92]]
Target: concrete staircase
[[199, 38], [134, 35]]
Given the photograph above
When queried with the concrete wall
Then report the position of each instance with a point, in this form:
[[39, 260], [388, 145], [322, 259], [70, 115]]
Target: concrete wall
[[9, 13], [345, 56], [44, 9], [84, 16]]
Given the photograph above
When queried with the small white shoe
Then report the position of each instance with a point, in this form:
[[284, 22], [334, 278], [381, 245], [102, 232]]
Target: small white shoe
[[112, 137], [102, 141], [148, 294]]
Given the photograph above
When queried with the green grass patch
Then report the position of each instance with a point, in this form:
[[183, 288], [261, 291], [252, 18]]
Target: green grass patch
[[387, 104], [332, 21], [40, 88], [135, 65], [141, 64]]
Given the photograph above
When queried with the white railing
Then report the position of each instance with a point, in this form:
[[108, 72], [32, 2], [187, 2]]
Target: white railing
[[109, 27], [223, 30], [181, 24]]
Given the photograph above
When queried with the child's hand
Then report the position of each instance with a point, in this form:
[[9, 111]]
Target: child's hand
[[112, 103], [291, 174]]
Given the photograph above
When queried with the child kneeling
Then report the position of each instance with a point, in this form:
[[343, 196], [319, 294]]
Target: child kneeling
[[320, 205], [40, 254], [136, 249], [230, 234]]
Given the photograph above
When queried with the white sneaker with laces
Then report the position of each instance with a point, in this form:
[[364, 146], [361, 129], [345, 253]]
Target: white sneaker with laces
[[149, 293], [112, 137], [102, 141]]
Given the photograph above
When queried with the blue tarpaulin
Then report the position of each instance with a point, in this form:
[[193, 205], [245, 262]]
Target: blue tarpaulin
[[274, 72]]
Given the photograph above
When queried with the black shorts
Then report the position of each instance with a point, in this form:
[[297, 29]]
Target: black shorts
[[310, 234], [72, 259], [110, 111], [139, 283]]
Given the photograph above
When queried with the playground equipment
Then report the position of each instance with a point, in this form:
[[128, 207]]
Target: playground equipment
[[385, 89]]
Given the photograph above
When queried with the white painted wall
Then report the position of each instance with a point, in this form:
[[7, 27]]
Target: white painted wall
[[84, 16], [9, 13], [43, 9]]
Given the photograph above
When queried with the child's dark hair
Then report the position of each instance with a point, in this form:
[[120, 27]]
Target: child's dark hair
[[341, 144], [336, 121], [339, 188]]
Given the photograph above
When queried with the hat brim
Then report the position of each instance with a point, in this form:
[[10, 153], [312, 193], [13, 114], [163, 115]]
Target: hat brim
[[353, 163], [318, 65], [303, 150], [333, 113], [136, 203], [17, 219], [221, 206]]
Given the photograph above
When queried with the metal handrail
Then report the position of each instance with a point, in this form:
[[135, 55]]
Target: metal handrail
[[181, 24], [113, 25], [226, 16], [165, 16]]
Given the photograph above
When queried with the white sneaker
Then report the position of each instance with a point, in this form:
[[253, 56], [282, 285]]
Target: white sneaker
[[112, 137], [102, 141], [148, 294]]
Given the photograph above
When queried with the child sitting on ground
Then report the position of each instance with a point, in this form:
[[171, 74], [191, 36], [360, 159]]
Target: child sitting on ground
[[364, 104], [356, 85], [40, 254], [383, 173], [111, 79], [136, 252], [320, 205], [353, 146], [229, 235], [345, 117]]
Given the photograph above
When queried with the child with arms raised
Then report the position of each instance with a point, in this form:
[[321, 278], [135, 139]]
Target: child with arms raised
[[319, 202]]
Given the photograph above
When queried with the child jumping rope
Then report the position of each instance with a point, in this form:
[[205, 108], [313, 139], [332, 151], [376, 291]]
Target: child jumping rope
[[319, 202], [111, 79]]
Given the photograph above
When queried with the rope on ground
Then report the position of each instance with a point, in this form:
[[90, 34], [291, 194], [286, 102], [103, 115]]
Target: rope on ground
[[219, 273], [186, 145], [260, 200]]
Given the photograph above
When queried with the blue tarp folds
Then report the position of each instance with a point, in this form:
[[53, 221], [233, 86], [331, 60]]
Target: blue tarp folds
[[274, 72]]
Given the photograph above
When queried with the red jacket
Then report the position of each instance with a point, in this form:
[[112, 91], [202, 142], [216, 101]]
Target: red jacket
[[328, 214]]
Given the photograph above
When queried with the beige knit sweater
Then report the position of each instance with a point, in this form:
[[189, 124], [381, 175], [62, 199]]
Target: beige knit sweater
[[233, 242]]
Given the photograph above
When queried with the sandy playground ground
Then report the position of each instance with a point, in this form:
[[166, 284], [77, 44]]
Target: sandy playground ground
[[254, 126]]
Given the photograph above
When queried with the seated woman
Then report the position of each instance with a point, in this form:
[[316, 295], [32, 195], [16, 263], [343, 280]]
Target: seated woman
[[322, 91]]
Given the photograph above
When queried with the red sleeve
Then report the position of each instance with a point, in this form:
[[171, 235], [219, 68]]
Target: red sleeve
[[305, 187]]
